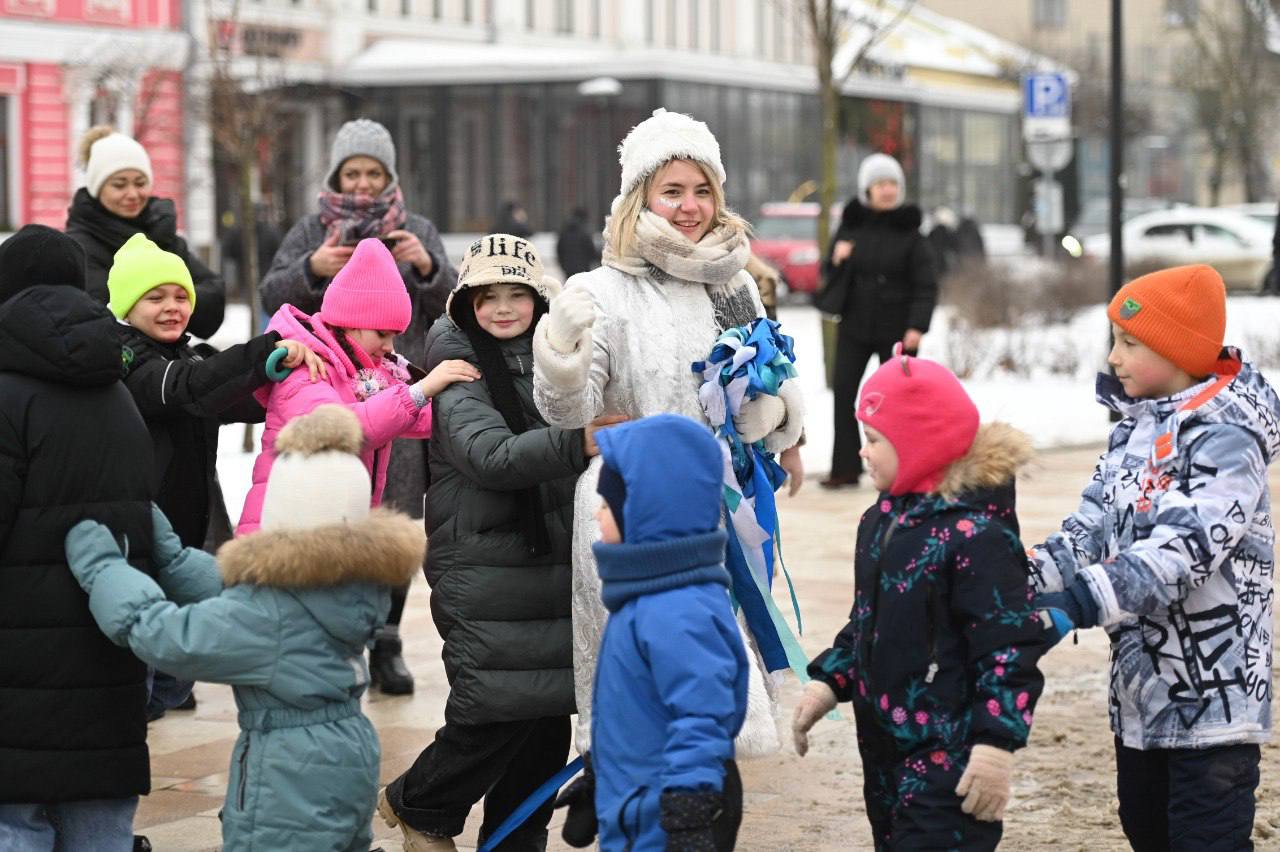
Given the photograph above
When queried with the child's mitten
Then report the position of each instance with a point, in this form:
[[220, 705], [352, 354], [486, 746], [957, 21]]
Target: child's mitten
[[985, 783], [817, 701], [1076, 602], [572, 313], [91, 548], [687, 816], [580, 798]]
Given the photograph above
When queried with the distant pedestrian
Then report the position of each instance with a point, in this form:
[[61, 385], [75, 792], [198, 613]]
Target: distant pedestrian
[[283, 616], [576, 249], [513, 220], [361, 198], [72, 446], [116, 202], [268, 239]]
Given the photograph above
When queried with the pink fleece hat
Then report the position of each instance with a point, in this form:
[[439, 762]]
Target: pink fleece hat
[[921, 408], [368, 292]]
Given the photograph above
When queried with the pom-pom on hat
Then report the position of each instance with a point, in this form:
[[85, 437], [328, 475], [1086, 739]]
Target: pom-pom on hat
[[877, 167], [662, 137], [368, 292], [923, 411], [139, 266], [38, 254], [1179, 313], [110, 153], [317, 477], [362, 137]]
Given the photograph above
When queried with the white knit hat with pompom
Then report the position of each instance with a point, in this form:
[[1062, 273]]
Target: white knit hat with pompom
[[317, 477]]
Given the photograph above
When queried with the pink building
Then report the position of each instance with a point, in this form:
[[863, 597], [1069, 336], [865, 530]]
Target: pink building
[[66, 65]]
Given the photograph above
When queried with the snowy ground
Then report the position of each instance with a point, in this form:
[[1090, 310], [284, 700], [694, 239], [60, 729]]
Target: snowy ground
[[1049, 394]]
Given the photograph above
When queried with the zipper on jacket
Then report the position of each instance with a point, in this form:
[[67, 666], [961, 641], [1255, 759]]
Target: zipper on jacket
[[932, 627], [875, 601], [244, 774]]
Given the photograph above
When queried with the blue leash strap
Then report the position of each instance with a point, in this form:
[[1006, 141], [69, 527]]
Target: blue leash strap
[[536, 800]]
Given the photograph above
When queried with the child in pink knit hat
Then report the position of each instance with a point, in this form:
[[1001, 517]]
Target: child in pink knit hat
[[939, 656], [365, 306]]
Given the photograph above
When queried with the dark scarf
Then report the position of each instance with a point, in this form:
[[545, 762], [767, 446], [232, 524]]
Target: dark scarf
[[502, 390], [158, 220], [357, 217]]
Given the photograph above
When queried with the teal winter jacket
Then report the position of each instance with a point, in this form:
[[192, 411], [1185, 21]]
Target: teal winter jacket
[[284, 616]]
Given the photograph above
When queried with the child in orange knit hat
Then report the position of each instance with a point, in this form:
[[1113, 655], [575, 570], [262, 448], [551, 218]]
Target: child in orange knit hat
[[1172, 551]]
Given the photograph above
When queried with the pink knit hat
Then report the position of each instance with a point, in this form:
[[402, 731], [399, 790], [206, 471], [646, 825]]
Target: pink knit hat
[[368, 292], [920, 407]]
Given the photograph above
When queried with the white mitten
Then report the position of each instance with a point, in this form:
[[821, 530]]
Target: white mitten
[[817, 701], [985, 783], [572, 313], [759, 417]]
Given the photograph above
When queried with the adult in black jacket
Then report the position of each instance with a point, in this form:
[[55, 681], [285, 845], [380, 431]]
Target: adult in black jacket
[[499, 519], [117, 203], [576, 249], [880, 280], [72, 446]]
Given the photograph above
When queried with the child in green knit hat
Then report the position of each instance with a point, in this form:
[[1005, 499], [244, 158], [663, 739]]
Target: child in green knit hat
[[185, 392]]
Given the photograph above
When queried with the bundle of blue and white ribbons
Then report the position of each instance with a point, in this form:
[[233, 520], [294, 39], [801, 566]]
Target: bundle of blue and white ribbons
[[746, 362]]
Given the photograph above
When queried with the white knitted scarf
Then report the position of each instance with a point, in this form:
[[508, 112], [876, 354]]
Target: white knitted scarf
[[721, 254]]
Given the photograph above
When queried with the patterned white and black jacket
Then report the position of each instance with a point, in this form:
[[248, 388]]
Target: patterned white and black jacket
[[1174, 539]]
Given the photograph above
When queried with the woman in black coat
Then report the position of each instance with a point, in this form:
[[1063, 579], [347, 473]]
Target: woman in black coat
[[880, 280], [115, 203]]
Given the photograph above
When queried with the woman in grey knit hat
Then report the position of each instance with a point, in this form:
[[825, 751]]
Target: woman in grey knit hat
[[361, 198]]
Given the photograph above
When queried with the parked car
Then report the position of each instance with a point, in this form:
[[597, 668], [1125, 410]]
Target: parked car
[[1235, 244], [1095, 218], [786, 237], [1263, 211]]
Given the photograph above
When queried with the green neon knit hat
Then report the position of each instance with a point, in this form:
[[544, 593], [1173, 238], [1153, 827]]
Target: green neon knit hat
[[139, 266]]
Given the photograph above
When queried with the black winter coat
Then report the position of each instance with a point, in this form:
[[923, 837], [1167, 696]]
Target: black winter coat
[[576, 249], [889, 283], [504, 615], [184, 393], [101, 234], [72, 446]]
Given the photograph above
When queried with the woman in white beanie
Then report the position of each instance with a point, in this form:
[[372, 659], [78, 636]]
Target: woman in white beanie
[[621, 340], [116, 203], [880, 280], [361, 198]]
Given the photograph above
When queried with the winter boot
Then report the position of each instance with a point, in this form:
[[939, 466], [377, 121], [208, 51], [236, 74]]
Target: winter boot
[[414, 840], [386, 667]]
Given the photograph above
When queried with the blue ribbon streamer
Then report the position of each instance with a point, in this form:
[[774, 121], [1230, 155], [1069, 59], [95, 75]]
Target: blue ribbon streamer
[[536, 799]]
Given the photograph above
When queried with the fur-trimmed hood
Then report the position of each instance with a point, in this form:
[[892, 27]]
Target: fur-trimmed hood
[[998, 452], [386, 548], [908, 217]]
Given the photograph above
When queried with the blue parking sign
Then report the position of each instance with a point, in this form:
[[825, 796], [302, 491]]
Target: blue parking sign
[[1046, 95]]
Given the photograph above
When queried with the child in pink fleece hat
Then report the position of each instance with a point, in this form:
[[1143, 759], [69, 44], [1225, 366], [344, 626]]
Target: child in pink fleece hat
[[365, 306], [939, 658]]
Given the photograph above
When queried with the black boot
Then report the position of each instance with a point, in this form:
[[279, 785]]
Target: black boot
[[387, 669]]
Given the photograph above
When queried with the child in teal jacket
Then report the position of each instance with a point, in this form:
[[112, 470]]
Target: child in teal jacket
[[284, 616]]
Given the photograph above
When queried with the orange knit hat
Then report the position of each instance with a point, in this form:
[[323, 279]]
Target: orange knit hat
[[1179, 313]]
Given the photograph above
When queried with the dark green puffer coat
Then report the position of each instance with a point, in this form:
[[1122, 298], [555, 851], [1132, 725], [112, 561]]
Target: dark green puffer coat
[[504, 615]]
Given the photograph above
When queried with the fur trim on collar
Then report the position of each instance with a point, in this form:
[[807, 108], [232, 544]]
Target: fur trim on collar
[[998, 452], [386, 548], [905, 218]]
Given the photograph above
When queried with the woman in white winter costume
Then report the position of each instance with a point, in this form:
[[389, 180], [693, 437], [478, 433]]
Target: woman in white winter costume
[[621, 340]]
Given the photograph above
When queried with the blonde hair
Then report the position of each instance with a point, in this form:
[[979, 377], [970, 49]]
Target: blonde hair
[[93, 134], [621, 232]]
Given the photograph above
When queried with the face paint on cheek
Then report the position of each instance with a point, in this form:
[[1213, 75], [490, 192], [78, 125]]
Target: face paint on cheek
[[666, 202]]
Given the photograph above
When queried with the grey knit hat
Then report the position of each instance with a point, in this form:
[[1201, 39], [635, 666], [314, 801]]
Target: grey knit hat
[[362, 138], [878, 167]]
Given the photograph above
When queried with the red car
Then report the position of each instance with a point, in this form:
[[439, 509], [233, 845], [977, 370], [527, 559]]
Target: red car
[[786, 237]]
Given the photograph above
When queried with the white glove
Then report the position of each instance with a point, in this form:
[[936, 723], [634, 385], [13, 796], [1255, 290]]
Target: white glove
[[816, 701], [759, 417], [572, 313], [985, 783]]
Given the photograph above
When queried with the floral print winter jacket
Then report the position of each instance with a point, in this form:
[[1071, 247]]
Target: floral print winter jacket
[[942, 644], [1174, 538]]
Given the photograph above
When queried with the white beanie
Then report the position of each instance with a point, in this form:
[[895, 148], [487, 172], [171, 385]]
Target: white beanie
[[876, 168], [111, 154], [662, 137], [317, 477]]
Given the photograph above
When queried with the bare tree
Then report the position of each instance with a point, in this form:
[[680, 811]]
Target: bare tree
[[845, 31]]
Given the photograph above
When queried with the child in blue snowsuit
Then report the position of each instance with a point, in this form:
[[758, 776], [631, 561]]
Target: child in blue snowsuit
[[1172, 551], [284, 616], [671, 684]]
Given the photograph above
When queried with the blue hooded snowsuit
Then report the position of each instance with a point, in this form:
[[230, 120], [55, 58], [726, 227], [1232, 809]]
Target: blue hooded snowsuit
[[671, 684]]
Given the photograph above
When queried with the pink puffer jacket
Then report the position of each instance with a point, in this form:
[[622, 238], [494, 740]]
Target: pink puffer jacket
[[384, 416]]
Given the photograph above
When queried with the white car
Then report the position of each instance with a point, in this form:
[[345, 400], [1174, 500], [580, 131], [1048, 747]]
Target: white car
[[1235, 244]]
